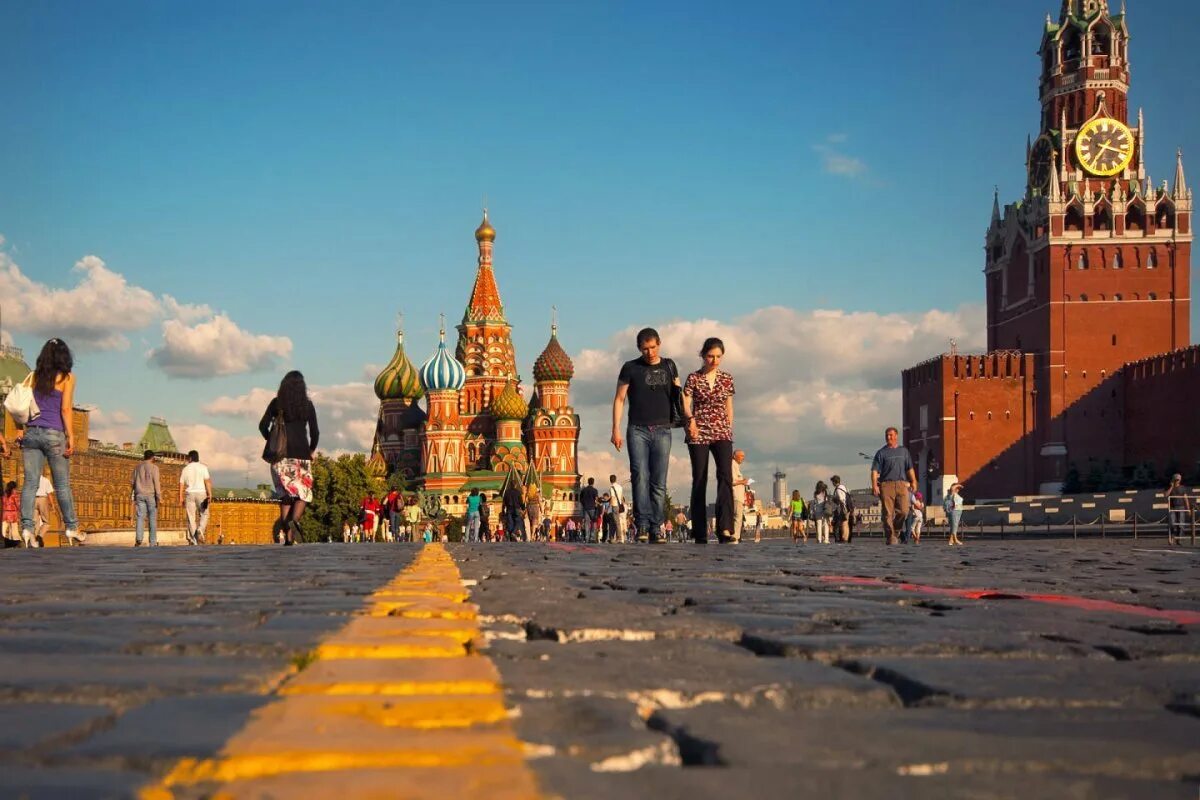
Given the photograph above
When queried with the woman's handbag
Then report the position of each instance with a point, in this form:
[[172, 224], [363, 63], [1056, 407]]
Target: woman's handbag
[[276, 449], [20, 404], [677, 418]]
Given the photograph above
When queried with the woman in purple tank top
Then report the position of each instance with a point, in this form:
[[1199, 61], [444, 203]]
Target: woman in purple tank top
[[49, 439]]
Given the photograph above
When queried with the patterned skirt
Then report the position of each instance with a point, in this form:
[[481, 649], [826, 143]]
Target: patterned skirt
[[293, 478]]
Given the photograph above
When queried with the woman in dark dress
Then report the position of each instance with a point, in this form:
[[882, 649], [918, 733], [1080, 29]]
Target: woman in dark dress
[[292, 474], [708, 410]]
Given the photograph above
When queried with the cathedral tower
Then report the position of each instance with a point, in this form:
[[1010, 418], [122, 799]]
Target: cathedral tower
[[552, 427], [398, 388], [442, 452]]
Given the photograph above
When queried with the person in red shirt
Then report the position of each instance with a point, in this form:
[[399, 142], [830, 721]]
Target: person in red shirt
[[370, 512], [12, 515], [392, 505]]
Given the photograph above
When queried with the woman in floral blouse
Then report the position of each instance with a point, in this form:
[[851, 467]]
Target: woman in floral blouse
[[708, 409]]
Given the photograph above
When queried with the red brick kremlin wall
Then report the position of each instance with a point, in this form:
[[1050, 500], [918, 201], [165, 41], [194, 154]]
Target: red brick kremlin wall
[[1161, 419]]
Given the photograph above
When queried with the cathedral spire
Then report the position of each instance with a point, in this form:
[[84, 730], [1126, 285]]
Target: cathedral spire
[[485, 296], [1055, 183], [996, 207], [1181, 190]]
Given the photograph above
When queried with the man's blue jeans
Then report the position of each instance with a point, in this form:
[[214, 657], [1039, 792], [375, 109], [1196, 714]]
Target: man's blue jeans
[[472, 526], [147, 509], [649, 454], [38, 446]]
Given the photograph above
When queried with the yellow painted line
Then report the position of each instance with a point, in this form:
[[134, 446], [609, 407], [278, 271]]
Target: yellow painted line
[[396, 698]]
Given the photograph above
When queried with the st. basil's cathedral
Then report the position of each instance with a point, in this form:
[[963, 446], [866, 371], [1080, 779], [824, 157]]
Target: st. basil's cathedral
[[476, 430]]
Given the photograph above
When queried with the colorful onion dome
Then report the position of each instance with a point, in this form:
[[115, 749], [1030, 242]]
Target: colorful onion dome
[[376, 465], [399, 379], [509, 404], [553, 364], [443, 372], [485, 232]]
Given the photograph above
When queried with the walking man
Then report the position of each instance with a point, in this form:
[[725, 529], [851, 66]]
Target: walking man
[[618, 500], [147, 493], [474, 500], [589, 501], [839, 495], [195, 493], [739, 494], [646, 382], [1178, 506], [892, 478]]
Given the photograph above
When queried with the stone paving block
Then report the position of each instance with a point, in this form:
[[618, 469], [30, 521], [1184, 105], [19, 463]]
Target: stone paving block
[[24, 782], [679, 672], [568, 778], [602, 732], [1113, 743], [26, 725], [173, 727], [183, 674], [1014, 683], [495, 782]]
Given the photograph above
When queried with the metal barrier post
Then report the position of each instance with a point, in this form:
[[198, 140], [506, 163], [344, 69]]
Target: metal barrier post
[[1193, 525], [1135, 516], [1102, 526], [1002, 530], [1074, 527]]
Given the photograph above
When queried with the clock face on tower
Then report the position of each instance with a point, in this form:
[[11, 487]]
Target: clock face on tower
[[1104, 146], [1041, 163]]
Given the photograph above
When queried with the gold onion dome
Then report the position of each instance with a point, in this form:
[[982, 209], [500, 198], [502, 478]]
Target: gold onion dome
[[399, 379], [509, 404], [485, 232], [553, 364], [376, 465]]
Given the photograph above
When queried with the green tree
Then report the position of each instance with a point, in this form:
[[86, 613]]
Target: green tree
[[339, 486]]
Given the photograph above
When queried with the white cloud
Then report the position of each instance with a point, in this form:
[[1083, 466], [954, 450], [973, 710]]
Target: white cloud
[[115, 426], [94, 314], [102, 307], [836, 162], [229, 456], [215, 347]]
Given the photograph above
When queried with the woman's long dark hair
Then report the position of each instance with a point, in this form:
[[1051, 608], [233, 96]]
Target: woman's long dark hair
[[54, 360], [293, 396]]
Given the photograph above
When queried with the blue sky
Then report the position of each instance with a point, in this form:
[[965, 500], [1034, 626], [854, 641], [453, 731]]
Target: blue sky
[[309, 169]]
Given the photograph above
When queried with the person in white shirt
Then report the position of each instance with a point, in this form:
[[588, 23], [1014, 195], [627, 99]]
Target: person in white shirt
[[195, 493], [840, 496], [739, 494], [617, 497]]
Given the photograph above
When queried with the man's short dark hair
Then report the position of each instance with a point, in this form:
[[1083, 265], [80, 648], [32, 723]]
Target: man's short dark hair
[[645, 335], [836, 479], [193, 455], [612, 478], [889, 429], [149, 454], [591, 481]]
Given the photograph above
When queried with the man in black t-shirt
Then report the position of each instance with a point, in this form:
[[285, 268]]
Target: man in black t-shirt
[[589, 500], [646, 383]]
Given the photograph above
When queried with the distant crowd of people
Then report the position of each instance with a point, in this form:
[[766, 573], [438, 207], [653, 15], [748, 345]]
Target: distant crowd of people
[[650, 386]]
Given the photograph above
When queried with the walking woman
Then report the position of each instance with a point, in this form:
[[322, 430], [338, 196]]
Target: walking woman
[[708, 410], [820, 511], [292, 474], [799, 512], [49, 438], [953, 506]]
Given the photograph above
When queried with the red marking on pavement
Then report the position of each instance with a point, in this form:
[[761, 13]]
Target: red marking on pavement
[[1084, 603], [583, 548]]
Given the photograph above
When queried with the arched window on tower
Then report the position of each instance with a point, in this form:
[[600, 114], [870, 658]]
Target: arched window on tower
[[1135, 218], [1074, 221], [1117, 261], [1102, 218], [1102, 41], [1152, 258], [1081, 261], [1166, 216], [1072, 45]]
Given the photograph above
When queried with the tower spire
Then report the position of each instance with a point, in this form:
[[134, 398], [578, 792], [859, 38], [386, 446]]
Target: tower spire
[[1181, 189], [996, 206], [1055, 183]]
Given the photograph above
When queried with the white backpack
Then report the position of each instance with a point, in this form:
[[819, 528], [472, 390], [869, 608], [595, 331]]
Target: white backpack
[[20, 403]]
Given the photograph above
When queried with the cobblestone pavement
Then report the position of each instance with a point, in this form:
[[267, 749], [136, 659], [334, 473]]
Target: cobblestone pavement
[[1030, 670]]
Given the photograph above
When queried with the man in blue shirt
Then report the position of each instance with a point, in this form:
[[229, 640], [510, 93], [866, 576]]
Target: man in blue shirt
[[892, 478]]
